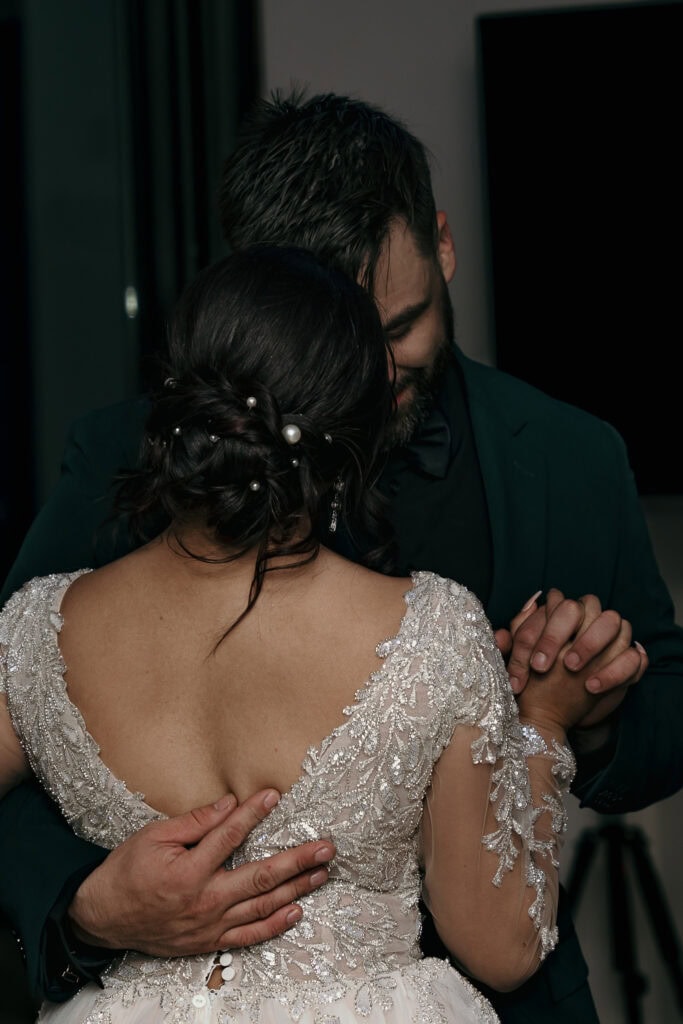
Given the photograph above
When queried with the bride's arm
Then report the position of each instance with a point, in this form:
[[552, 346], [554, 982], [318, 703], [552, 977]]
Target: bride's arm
[[494, 820], [492, 895]]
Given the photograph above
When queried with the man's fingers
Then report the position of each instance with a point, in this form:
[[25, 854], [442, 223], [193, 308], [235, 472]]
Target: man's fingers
[[222, 841], [190, 828], [594, 638], [625, 669], [261, 930], [263, 911], [281, 873]]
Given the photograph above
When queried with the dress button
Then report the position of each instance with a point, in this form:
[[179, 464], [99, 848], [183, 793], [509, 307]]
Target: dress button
[[199, 1001], [225, 959], [228, 973]]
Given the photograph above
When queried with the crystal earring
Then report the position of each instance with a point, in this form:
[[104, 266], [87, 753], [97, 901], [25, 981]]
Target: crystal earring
[[336, 504]]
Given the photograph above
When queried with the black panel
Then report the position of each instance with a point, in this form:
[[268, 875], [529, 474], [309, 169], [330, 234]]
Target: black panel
[[582, 112]]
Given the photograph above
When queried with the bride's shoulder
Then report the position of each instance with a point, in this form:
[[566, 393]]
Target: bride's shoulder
[[41, 588], [35, 603], [441, 599]]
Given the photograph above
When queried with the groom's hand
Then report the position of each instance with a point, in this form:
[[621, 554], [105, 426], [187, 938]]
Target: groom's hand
[[165, 890]]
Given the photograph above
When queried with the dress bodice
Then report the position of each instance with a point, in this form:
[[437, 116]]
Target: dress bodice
[[363, 785]]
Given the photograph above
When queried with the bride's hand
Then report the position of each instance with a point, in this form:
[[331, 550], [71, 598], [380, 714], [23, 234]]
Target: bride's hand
[[165, 890]]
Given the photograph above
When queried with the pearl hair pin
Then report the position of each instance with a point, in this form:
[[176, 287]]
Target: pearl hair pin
[[255, 485], [291, 433], [251, 402]]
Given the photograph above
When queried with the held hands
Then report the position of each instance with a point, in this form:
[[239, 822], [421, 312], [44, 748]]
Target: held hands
[[165, 891], [592, 646]]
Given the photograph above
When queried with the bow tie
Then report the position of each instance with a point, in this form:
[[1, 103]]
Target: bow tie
[[430, 449]]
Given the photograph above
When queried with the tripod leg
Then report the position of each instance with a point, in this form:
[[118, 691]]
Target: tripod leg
[[658, 912], [585, 851], [623, 941]]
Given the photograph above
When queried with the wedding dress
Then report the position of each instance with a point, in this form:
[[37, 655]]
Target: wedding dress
[[355, 954]]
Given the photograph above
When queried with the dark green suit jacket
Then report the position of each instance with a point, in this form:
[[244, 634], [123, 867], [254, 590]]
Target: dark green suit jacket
[[564, 512]]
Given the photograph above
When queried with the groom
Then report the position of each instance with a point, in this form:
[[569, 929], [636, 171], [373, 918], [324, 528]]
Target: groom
[[490, 482]]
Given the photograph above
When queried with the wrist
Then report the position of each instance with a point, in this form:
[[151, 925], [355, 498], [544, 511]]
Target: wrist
[[82, 921], [549, 728]]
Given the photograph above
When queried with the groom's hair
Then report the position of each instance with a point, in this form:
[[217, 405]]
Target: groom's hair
[[330, 174]]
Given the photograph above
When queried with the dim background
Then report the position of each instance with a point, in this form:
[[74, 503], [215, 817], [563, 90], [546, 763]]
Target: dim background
[[553, 133]]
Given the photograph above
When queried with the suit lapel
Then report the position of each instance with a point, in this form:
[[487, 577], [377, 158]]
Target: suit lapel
[[515, 482]]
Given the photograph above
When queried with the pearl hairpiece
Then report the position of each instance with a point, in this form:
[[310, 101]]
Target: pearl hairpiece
[[291, 433]]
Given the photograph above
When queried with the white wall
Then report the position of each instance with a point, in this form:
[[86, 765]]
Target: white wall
[[418, 62]]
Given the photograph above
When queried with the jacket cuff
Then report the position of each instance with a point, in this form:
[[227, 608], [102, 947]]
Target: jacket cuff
[[67, 963]]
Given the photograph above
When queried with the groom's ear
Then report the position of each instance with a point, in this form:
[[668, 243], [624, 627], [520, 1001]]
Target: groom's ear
[[445, 249]]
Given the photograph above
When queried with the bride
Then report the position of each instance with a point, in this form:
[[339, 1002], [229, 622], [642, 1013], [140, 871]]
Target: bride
[[381, 705]]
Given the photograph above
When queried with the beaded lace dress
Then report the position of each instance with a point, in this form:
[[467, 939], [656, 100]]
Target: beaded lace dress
[[355, 954]]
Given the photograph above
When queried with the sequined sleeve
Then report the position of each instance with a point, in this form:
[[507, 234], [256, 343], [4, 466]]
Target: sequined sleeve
[[10, 619], [494, 815], [13, 763]]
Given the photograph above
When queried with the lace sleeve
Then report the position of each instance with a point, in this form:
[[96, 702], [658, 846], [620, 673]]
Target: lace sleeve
[[494, 818]]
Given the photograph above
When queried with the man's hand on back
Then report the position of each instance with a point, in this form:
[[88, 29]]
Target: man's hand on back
[[165, 890]]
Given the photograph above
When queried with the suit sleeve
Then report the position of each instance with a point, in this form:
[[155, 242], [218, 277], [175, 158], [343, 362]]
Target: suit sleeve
[[41, 861], [645, 759], [74, 529]]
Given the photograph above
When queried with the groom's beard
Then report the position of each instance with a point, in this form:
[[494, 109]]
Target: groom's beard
[[425, 382]]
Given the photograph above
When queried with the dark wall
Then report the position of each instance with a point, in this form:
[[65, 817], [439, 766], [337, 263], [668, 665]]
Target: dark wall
[[16, 411], [582, 114]]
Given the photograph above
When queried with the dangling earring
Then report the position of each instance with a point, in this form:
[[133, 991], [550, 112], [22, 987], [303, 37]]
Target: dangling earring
[[336, 504]]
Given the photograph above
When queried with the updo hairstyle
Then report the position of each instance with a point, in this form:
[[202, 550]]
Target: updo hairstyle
[[265, 339]]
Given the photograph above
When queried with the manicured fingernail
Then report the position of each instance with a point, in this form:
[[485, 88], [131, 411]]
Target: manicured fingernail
[[531, 601], [225, 802], [318, 877], [324, 854], [294, 915], [572, 660], [593, 685], [639, 647], [271, 799], [539, 661], [514, 683]]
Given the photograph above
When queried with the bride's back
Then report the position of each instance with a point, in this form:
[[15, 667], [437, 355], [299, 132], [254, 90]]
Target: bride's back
[[184, 721]]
